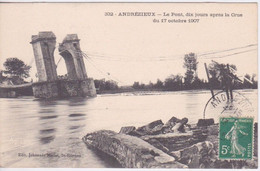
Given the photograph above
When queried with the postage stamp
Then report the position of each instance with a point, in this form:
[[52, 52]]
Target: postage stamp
[[236, 138]]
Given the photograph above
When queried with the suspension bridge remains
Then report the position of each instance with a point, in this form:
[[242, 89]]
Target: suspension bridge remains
[[49, 85]]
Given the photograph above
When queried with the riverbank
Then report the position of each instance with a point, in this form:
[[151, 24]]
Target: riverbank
[[16, 90], [175, 144], [118, 91]]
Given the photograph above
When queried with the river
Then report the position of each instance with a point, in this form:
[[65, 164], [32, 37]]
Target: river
[[38, 133]]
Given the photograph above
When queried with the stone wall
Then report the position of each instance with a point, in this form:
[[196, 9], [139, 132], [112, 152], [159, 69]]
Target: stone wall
[[12, 91], [88, 87], [7, 93], [76, 88], [45, 90], [64, 88]]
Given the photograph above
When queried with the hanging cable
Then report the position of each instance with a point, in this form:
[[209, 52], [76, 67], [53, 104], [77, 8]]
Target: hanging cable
[[210, 53], [107, 73], [160, 58], [230, 54], [58, 62]]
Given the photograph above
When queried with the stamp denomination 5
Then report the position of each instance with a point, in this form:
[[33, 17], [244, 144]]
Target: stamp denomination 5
[[236, 138]]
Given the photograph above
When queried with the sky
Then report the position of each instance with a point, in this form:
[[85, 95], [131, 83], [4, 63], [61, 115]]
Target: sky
[[134, 48]]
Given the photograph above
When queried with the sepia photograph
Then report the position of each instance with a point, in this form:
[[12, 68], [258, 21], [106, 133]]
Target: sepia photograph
[[129, 85]]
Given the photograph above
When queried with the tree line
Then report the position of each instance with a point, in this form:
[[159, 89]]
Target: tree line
[[219, 75]]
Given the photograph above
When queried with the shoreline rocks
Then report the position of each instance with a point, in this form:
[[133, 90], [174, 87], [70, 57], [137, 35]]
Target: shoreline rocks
[[130, 151], [175, 144]]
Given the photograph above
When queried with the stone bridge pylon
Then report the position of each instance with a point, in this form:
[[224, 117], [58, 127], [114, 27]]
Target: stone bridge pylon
[[43, 47], [70, 50], [49, 86]]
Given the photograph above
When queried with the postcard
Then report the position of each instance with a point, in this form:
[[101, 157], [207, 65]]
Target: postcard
[[129, 85]]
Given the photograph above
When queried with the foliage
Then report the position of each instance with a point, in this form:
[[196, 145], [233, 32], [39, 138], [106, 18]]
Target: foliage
[[247, 79], [102, 85], [2, 78], [220, 76], [223, 75], [159, 84], [190, 63], [173, 82], [16, 67]]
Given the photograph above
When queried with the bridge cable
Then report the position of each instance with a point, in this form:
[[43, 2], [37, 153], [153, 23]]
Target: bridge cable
[[165, 58], [58, 62], [108, 75]]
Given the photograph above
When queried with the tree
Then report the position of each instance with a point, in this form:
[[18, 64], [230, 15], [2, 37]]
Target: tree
[[150, 85], [111, 85], [136, 85], [221, 76], [189, 78], [16, 67], [247, 83], [2, 78], [213, 72], [159, 84], [142, 86], [173, 82], [190, 63], [198, 83], [102, 85]]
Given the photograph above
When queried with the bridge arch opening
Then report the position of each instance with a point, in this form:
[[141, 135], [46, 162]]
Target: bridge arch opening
[[71, 70]]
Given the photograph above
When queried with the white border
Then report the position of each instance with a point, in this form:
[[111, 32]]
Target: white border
[[144, 1]]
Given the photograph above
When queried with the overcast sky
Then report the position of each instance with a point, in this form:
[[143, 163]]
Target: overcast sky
[[133, 48]]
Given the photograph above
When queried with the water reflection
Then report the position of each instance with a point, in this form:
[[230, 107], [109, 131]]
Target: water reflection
[[48, 119], [76, 122], [77, 115], [46, 131], [77, 101]]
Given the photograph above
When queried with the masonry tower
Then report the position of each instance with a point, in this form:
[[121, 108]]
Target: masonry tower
[[43, 47], [70, 50]]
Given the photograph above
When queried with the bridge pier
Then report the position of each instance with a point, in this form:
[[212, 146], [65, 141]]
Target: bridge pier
[[49, 86], [64, 88]]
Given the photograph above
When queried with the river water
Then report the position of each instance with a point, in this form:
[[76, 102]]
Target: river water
[[36, 133]]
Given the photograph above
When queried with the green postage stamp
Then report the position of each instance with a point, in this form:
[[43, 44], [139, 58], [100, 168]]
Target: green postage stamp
[[236, 138]]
